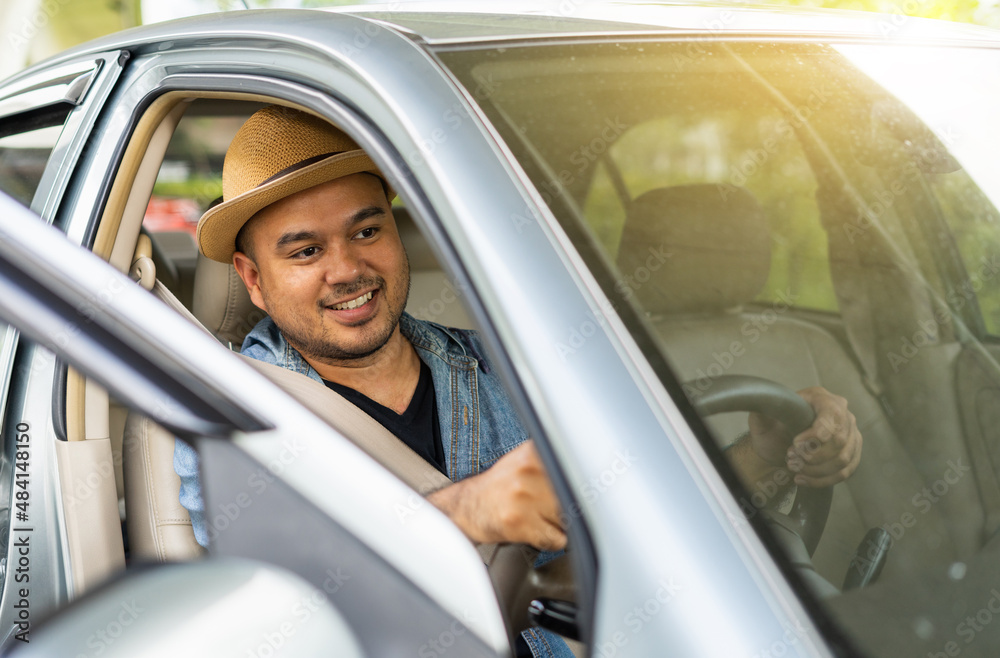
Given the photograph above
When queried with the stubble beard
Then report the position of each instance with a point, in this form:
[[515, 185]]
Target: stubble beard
[[321, 345]]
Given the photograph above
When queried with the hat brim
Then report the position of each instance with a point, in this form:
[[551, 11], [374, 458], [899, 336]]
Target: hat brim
[[218, 227]]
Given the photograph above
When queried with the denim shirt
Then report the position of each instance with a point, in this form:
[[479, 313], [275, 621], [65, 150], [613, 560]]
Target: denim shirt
[[478, 422]]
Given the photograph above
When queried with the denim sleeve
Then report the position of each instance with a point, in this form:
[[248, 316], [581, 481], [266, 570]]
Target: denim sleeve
[[544, 557], [186, 466], [255, 350], [546, 644]]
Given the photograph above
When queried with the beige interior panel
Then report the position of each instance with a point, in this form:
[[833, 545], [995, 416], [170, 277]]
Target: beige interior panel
[[90, 501], [142, 187], [76, 405], [96, 420], [122, 188]]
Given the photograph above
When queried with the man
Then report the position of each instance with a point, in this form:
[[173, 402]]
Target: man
[[307, 224]]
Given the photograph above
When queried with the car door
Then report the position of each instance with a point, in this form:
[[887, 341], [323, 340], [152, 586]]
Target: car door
[[129, 342], [46, 117], [592, 409]]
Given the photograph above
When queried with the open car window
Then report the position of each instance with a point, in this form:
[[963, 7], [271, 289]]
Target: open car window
[[813, 215], [22, 160]]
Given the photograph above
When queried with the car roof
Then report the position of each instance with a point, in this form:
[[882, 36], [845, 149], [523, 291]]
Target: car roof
[[462, 21], [451, 23]]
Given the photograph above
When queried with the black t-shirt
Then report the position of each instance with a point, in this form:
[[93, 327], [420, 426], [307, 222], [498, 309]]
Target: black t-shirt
[[417, 427]]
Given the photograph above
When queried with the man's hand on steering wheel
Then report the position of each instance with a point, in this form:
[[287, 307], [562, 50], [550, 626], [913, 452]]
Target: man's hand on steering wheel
[[824, 454]]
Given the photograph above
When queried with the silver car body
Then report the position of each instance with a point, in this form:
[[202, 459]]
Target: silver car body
[[675, 574]]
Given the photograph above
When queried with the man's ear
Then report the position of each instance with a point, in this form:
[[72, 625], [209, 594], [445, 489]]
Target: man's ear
[[247, 270]]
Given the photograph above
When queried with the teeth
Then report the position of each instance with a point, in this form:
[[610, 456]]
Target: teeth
[[354, 303]]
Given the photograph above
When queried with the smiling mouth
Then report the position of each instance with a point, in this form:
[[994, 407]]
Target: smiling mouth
[[354, 303]]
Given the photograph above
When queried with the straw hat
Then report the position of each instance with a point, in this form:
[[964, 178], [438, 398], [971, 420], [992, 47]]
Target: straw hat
[[276, 153]]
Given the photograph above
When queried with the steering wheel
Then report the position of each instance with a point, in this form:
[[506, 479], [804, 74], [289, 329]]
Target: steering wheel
[[811, 508]]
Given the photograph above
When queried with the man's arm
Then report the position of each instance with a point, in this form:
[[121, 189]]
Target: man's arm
[[512, 501]]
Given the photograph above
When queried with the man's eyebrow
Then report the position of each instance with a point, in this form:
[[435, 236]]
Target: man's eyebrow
[[298, 236], [305, 236], [365, 213]]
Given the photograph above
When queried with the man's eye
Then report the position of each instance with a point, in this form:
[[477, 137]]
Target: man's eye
[[308, 252], [367, 232]]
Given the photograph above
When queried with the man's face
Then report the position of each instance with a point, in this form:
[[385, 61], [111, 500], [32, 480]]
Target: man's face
[[329, 268]]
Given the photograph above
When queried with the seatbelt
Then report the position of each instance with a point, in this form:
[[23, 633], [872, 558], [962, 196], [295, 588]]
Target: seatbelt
[[363, 430]]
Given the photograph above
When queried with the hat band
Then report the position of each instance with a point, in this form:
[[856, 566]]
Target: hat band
[[298, 165]]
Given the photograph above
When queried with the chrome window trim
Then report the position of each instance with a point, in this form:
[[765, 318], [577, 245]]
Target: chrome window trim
[[63, 84], [75, 133]]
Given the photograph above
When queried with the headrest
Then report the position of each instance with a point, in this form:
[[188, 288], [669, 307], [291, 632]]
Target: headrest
[[694, 248], [221, 301]]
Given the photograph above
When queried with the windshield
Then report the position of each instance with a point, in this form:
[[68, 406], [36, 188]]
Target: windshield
[[814, 215]]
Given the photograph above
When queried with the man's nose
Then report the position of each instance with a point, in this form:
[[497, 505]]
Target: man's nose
[[343, 265]]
